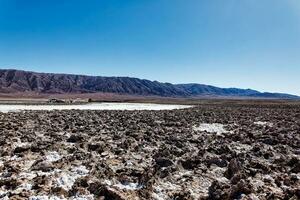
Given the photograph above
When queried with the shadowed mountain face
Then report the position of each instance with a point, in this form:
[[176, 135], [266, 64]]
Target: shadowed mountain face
[[13, 81]]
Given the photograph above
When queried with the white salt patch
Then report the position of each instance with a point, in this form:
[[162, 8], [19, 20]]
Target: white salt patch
[[261, 123], [240, 147], [136, 156], [182, 173], [27, 175], [64, 134], [158, 196], [83, 197], [162, 189], [27, 164], [129, 163], [13, 158], [80, 170], [53, 156], [250, 196], [129, 186], [3, 194], [212, 128], [20, 144], [67, 179], [44, 197], [22, 187], [94, 106], [41, 135], [107, 182], [25, 186], [55, 171]]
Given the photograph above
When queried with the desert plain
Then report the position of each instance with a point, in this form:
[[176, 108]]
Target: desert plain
[[212, 150]]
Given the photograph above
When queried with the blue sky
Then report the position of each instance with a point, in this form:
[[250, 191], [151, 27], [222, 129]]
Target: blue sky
[[233, 43]]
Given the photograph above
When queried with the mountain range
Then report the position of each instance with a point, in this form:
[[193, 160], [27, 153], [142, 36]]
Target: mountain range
[[18, 81]]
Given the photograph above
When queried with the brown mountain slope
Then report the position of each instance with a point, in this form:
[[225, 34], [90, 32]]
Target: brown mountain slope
[[17, 81]]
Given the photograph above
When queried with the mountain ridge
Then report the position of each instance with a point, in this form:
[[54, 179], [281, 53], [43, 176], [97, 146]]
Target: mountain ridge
[[20, 81]]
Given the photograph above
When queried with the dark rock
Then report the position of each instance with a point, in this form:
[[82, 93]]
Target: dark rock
[[217, 161], [242, 187], [234, 167], [218, 191], [42, 166], [21, 149], [190, 164], [75, 138], [9, 184], [163, 162]]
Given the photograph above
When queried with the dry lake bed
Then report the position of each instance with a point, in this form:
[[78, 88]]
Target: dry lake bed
[[150, 151]]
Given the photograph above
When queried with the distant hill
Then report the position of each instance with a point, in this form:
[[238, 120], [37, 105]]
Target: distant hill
[[18, 81]]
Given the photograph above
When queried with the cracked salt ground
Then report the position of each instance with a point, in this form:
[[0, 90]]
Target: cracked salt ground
[[150, 154]]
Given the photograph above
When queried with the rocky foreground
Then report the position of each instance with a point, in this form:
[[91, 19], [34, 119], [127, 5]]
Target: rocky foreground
[[205, 152]]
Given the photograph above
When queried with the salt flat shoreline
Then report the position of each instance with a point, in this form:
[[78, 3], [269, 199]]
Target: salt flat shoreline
[[91, 106]]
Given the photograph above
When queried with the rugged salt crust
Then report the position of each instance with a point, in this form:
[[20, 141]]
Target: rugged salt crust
[[94, 106], [211, 128], [149, 155]]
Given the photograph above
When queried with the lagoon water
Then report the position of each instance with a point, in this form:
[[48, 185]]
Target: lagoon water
[[93, 106]]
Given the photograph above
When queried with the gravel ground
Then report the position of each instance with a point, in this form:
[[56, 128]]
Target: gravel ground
[[204, 152]]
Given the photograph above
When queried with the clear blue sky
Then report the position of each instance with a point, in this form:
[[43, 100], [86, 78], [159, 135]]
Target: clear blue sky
[[228, 43]]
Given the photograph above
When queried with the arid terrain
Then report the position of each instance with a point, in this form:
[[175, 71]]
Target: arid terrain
[[221, 150]]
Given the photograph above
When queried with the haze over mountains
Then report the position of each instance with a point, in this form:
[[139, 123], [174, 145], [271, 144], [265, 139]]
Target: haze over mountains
[[18, 81]]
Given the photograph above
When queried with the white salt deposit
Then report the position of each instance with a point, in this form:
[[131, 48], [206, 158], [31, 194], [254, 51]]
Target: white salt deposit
[[107, 182], [80, 170], [78, 197], [261, 123], [24, 186], [129, 186], [27, 175], [162, 189], [93, 106], [83, 197], [212, 128], [2, 193], [53, 156], [67, 179], [19, 143], [44, 197]]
